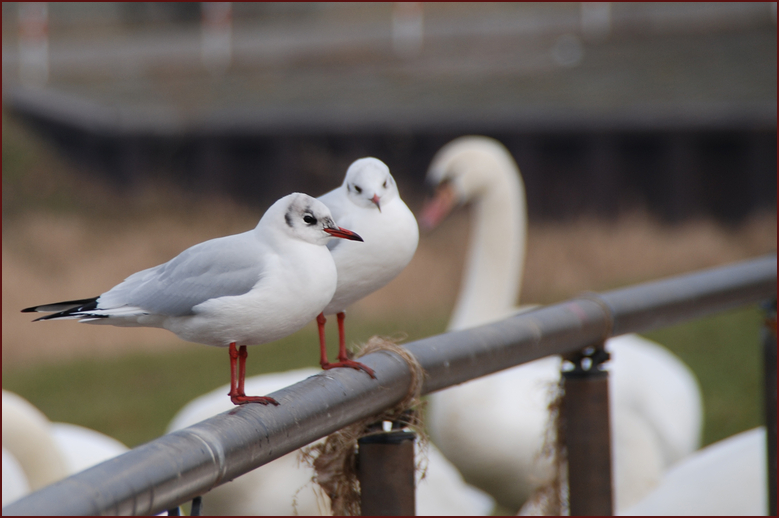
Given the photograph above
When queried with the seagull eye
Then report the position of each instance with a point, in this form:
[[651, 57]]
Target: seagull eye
[[309, 219], [385, 184], [358, 189]]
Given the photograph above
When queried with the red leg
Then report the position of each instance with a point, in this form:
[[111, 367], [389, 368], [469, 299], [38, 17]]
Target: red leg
[[320, 321], [237, 395], [233, 358], [242, 355], [343, 357]]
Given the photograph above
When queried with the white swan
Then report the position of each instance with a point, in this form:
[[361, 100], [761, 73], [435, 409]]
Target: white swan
[[727, 478], [82, 447], [27, 436], [37, 452], [15, 483], [271, 489], [492, 428]]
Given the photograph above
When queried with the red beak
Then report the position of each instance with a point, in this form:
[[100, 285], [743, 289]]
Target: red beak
[[375, 200], [343, 233], [437, 208]]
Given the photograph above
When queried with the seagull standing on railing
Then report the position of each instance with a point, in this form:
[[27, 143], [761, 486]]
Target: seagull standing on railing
[[245, 289], [367, 201]]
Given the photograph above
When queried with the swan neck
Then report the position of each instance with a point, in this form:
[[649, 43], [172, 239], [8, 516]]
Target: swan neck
[[495, 259]]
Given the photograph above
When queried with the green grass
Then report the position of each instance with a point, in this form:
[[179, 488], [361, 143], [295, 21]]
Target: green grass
[[132, 398], [725, 352]]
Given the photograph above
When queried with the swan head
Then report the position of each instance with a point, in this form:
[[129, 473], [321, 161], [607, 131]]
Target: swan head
[[463, 171], [369, 184]]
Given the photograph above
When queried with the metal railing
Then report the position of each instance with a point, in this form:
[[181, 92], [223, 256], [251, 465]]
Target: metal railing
[[177, 467]]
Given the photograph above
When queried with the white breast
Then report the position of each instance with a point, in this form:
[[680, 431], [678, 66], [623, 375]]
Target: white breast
[[291, 293], [390, 240]]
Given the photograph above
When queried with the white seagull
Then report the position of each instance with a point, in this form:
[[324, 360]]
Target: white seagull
[[245, 289], [369, 203]]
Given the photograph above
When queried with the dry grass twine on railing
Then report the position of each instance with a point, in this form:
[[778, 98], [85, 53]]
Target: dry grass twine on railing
[[335, 458], [551, 496]]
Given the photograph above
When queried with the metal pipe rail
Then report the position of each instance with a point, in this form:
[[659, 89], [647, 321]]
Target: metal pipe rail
[[175, 468]]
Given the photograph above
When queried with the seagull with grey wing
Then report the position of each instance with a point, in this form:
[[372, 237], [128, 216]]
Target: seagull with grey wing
[[233, 291]]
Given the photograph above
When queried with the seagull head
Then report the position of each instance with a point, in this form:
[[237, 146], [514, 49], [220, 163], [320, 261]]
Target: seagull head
[[303, 217], [369, 184]]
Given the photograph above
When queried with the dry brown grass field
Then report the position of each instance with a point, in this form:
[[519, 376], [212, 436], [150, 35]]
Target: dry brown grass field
[[69, 235], [58, 256]]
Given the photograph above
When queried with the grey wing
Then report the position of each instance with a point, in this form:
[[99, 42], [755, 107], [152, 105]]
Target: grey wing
[[221, 267]]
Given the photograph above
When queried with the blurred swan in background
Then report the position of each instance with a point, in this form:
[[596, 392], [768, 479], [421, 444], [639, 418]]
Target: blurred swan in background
[[37, 452], [727, 478], [284, 486], [656, 408], [15, 483]]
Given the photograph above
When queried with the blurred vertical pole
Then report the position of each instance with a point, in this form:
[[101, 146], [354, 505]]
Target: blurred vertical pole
[[596, 20], [197, 506], [33, 43], [603, 165], [769, 362], [681, 179], [217, 41], [587, 433], [408, 27]]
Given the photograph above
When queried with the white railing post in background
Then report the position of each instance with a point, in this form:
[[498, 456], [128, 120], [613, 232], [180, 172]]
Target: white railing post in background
[[33, 43], [408, 27], [596, 20], [217, 41]]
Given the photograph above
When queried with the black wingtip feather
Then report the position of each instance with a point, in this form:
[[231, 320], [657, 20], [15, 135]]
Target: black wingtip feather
[[63, 308]]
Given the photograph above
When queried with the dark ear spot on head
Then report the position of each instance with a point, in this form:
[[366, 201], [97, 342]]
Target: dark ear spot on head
[[288, 217]]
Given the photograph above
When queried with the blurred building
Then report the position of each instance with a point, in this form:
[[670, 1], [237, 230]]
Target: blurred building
[[606, 106]]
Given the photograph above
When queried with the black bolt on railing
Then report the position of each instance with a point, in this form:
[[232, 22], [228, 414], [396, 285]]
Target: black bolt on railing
[[179, 466]]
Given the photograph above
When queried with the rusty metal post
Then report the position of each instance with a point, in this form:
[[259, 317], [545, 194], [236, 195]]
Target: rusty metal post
[[197, 506], [769, 364], [385, 468], [586, 431]]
